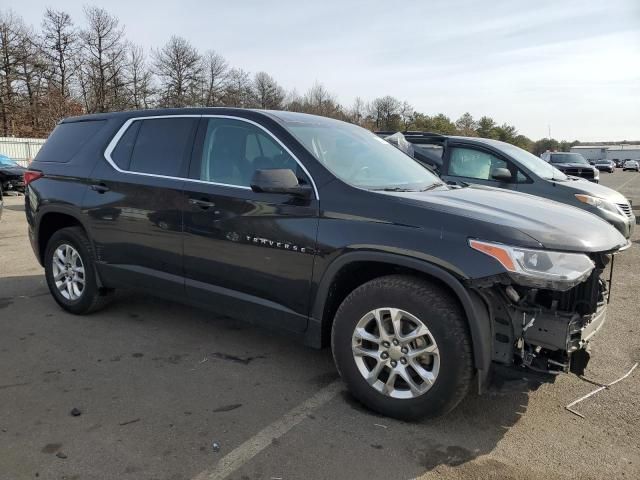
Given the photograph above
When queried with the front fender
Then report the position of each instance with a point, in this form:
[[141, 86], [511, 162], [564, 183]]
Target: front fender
[[474, 308]]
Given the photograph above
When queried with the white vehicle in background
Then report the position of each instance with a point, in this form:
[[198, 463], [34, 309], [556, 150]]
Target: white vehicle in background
[[631, 165]]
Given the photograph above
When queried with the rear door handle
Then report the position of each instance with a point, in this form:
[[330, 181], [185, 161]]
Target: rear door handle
[[100, 188], [198, 202]]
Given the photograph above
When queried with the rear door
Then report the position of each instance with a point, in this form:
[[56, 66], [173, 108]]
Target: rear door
[[475, 165], [248, 253], [135, 203]]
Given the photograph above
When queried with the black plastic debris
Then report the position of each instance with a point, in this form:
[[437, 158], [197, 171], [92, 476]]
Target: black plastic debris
[[75, 412]]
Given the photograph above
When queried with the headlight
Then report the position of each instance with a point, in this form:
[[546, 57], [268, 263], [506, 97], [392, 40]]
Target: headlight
[[600, 203], [538, 268]]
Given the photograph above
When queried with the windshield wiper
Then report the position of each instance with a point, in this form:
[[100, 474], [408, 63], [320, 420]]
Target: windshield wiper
[[432, 186], [394, 189]]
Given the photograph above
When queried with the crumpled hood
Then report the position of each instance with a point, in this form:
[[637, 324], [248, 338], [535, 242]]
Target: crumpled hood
[[595, 189], [554, 225]]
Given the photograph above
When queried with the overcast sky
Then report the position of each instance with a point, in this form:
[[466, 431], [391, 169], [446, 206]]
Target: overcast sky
[[571, 64]]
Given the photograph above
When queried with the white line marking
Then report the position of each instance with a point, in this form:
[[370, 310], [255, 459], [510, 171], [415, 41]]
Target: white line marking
[[249, 449]]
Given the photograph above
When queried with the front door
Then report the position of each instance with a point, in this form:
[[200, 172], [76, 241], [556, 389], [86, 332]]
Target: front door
[[250, 254]]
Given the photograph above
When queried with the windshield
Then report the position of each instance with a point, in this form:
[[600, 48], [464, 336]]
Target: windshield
[[568, 158], [602, 161], [360, 158], [7, 162], [532, 163]]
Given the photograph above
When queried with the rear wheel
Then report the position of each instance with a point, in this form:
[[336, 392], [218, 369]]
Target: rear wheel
[[402, 346], [70, 272]]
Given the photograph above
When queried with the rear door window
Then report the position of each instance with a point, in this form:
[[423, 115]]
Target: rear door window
[[161, 146]]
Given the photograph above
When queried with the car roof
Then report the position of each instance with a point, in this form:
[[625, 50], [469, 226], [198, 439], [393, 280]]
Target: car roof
[[283, 117]]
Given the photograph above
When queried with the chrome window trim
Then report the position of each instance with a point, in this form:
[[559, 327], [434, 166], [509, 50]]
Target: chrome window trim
[[121, 131]]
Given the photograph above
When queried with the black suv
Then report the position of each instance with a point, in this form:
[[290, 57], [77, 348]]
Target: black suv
[[573, 164], [463, 160], [321, 229]]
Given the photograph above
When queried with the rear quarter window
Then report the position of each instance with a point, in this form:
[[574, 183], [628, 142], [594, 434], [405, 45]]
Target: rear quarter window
[[67, 139]]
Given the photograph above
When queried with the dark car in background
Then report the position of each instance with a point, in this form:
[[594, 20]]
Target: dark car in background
[[11, 175], [464, 160], [605, 165], [320, 229], [572, 164]]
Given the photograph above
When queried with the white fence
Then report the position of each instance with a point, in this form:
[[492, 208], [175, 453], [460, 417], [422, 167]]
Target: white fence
[[22, 150]]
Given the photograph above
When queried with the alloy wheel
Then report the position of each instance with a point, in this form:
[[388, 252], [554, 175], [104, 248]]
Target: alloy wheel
[[68, 272], [395, 353]]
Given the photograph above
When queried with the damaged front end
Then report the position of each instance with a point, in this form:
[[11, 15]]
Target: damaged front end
[[546, 325]]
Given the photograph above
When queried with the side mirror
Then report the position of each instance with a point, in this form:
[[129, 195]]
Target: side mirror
[[278, 180], [501, 174]]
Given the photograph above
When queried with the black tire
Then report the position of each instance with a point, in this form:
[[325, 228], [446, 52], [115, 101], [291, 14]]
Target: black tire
[[92, 298], [440, 313]]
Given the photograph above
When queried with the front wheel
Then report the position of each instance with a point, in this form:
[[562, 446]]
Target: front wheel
[[70, 272], [402, 346]]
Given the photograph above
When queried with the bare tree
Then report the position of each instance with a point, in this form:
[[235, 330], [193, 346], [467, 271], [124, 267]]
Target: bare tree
[[358, 111], [178, 66], [406, 115], [59, 45], [268, 94], [293, 101], [103, 61], [11, 36], [319, 101], [31, 73], [214, 78], [138, 78], [238, 89], [386, 113]]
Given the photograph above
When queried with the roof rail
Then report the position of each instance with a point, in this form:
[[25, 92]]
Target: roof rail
[[412, 133]]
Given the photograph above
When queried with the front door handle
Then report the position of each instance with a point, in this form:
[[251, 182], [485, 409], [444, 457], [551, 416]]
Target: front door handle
[[100, 188], [198, 202]]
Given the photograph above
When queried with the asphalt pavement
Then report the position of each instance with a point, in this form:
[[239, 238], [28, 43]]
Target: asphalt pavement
[[165, 391]]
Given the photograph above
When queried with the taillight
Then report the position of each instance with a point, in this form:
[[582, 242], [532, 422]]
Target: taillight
[[31, 175]]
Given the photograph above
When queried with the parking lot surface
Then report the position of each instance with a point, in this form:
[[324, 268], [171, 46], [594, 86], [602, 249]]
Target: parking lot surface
[[165, 391]]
